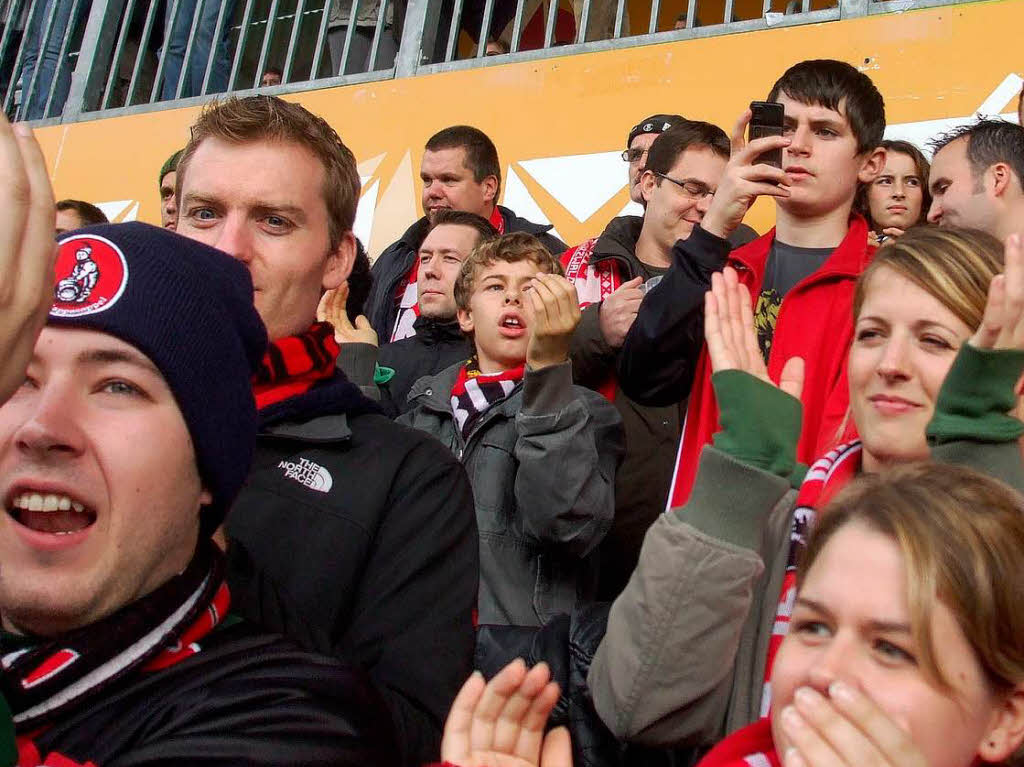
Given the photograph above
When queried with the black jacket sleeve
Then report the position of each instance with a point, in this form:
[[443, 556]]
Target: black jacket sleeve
[[593, 360], [411, 623], [658, 358]]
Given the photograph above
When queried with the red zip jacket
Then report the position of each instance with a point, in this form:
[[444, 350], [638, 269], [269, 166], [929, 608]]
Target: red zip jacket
[[815, 322]]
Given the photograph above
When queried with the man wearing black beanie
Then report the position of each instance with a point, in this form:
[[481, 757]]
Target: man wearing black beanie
[[127, 441], [353, 535]]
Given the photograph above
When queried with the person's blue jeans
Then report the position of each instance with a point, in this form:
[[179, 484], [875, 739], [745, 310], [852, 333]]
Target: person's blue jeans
[[176, 41], [44, 54]]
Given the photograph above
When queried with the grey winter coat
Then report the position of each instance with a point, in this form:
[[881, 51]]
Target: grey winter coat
[[542, 465]]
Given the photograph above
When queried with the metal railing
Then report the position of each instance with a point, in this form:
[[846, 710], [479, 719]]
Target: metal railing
[[71, 60]]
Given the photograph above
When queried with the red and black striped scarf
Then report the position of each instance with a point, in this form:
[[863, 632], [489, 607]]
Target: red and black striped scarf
[[474, 393], [824, 479], [42, 680], [292, 365]]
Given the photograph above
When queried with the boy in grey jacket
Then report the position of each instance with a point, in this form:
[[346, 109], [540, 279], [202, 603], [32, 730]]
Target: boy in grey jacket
[[541, 453]]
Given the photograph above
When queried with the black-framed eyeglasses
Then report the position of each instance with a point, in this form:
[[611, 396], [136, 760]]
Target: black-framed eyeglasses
[[698, 190], [633, 155]]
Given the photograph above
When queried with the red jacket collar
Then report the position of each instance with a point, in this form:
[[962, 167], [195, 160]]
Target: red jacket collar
[[849, 258]]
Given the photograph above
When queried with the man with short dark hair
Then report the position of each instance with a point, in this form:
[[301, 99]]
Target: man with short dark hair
[[682, 170], [271, 76], [167, 181], [438, 341], [976, 178], [74, 214], [459, 171], [353, 535]]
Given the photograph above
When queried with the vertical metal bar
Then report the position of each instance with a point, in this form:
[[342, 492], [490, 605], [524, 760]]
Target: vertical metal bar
[[378, 30], [218, 31], [19, 59], [5, 41], [350, 33], [321, 38], [168, 28], [485, 29], [44, 40], [853, 8], [419, 35], [766, 8], [806, 6], [87, 81], [655, 13], [453, 31], [728, 12], [549, 31], [286, 74], [267, 37], [115, 64], [517, 27], [197, 14], [620, 16], [691, 13], [581, 33], [243, 36], [62, 56], [147, 32]]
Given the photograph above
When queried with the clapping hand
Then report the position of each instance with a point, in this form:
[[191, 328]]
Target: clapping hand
[[1002, 326], [27, 251], [501, 723], [731, 337], [332, 310], [552, 311]]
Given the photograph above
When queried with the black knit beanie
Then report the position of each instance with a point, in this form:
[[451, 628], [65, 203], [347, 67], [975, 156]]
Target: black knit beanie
[[188, 307]]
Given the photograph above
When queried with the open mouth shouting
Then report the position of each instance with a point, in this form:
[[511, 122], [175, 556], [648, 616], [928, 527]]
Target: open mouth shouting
[[512, 325], [49, 517]]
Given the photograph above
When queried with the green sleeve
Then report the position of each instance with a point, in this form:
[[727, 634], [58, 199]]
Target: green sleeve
[[760, 422], [976, 397]]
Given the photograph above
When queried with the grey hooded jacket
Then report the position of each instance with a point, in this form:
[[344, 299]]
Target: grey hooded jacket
[[542, 466]]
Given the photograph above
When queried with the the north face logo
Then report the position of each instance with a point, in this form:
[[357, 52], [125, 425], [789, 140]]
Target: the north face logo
[[91, 275], [312, 475]]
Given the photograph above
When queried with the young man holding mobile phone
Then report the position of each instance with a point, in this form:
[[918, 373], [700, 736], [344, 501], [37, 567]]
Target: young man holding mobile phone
[[801, 273]]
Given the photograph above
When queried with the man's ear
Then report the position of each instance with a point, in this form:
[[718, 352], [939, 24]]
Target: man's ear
[[1007, 731], [647, 183], [338, 265], [490, 185], [465, 317], [1001, 177], [872, 165]]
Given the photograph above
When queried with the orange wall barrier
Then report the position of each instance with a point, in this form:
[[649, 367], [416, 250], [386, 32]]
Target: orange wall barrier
[[560, 123]]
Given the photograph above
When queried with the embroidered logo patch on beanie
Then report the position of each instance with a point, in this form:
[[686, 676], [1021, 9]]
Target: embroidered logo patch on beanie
[[92, 273]]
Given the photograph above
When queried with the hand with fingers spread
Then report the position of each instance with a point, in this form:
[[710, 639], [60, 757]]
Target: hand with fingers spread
[[1002, 326], [27, 251], [732, 339], [619, 310], [332, 310], [501, 723], [552, 313], [844, 729], [744, 180]]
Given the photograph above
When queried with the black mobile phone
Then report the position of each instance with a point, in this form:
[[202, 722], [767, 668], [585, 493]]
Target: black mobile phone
[[766, 120]]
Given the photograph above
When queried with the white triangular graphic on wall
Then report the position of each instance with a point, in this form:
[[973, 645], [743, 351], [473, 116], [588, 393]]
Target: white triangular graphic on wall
[[632, 209], [582, 182], [920, 133], [363, 225], [119, 210], [520, 201]]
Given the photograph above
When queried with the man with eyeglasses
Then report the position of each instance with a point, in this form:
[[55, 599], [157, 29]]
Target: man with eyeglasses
[[612, 273], [640, 138]]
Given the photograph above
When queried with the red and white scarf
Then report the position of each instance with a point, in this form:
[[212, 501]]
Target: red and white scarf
[[407, 294], [475, 392], [292, 365], [825, 478], [594, 282], [152, 633], [751, 746]]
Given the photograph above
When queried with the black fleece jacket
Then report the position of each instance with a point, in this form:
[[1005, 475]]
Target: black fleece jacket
[[356, 537]]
